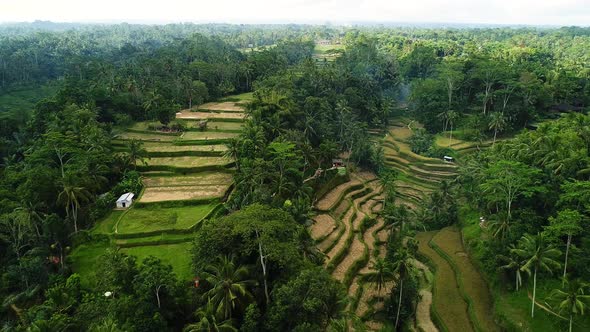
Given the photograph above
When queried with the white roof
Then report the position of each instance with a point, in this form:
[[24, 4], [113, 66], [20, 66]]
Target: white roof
[[125, 197]]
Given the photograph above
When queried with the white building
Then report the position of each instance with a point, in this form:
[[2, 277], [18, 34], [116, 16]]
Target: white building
[[125, 200]]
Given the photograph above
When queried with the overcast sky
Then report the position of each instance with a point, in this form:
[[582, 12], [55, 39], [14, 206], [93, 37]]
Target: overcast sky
[[535, 12]]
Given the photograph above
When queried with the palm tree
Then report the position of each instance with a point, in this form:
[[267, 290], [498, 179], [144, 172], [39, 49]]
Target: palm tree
[[71, 197], [307, 247], [452, 116], [500, 225], [233, 150], [513, 262], [404, 267], [397, 216], [537, 255], [383, 272], [229, 286], [208, 321], [573, 301], [387, 180], [497, 123], [136, 153]]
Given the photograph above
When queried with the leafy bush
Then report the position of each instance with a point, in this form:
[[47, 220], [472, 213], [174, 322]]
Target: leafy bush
[[131, 182], [123, 119], [439, 152], [421, 141]]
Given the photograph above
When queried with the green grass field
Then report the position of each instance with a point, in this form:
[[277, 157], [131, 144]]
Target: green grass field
[[204, 135], [177, 255], [107, 225], [156, 218], [84, 260], [187, 161], [24, 98]]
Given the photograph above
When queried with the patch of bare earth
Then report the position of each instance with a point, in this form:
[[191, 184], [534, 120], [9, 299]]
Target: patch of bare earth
[[322, 225], [223, 106], [160, 194], [210, 115], [331, 198], [423, 312]]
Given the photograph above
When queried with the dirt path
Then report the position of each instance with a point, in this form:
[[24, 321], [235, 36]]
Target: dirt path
[[449, 240], [448, 301], [423, 319]]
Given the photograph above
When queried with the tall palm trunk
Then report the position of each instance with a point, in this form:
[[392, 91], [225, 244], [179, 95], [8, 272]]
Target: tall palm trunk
[[567, 251], [534, 293], [571, 321], [399, 304]]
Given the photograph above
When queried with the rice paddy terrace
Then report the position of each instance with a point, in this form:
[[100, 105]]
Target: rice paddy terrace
[[458, 296], [186, 178], [349, 230]]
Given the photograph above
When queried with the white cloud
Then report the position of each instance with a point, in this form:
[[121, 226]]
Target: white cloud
[[550, 12]]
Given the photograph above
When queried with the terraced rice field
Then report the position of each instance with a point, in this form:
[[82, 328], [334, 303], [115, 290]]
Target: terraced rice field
[[210, 115], [159, 147], [418, 176], [347, 246], [191, 161], [205, 135], [184, 182]]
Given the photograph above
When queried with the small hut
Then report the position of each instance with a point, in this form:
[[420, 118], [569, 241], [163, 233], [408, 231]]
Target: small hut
[[337, 163], [448, 159], [125, 201]]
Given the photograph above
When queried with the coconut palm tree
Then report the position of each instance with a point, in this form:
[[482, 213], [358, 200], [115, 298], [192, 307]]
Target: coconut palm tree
[[229, 286], [382, 273], [537, 255], [513, 262], [136, 153], [404, 268], [208, 321], [497, 123], [233, 150], [573, 300], [307, 247], [72, 197], [452, 116]]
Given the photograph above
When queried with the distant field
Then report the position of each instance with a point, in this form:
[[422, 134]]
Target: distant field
[[158, 147], [147, 219], [199, 179], [229, 106], [188, 161], [25, 98], [203, 135], [177, 193], [214, 125], [147, 137], [186, 114], [243, 97]]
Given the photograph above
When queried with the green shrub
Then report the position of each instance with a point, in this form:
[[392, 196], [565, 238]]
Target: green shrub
[[421, 141]]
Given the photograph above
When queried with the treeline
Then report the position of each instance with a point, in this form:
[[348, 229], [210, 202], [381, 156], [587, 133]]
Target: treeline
[[304, 117], [534, 192], [492, 81]]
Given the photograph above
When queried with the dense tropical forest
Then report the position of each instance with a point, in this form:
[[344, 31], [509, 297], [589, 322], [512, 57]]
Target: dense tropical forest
[[294, 178]]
